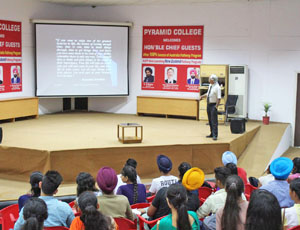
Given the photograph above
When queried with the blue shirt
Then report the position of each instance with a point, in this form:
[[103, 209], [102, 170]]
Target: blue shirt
[[128, 191], [59, 214], [280, 189]]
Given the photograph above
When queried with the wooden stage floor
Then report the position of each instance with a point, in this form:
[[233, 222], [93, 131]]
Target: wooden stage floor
[[75, 142]]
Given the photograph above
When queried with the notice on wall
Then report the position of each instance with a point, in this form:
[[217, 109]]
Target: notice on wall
[[171, 58], [10, 56]]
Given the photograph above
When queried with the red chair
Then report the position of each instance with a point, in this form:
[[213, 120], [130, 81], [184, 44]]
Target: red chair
[[150, 198], [151, 223], [9, 216], [249, 189], [295, 228], [56, 228], [140, 205], [125, 224], [203, 193], [72, 203]]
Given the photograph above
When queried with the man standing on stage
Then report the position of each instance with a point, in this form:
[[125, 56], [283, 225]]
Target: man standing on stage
[[213, 96]]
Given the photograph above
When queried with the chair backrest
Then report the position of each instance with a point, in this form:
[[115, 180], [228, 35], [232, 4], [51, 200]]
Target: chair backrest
[[125, 224], [56, 228], [72, 203], [151, 223], [9, 216], [295, 228], [203, 193], [140, 205], [150, 198], [249, 189], [231, 101]]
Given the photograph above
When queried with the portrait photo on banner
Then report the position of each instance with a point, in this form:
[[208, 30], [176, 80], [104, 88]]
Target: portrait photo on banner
[[171, 75], [193, 76], [149, 74]]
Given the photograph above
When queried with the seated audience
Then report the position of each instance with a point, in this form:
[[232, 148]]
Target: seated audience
[[296, 169], [34, 214], [280, 169], [230, 157], [179, 218], [130, 162], [292, 215], [85, 182], [59, 213], [192, 180], [263, 212], [35, 191], [264, 180], [135, 193], [91, 218], [109, 203], [233, 168], [233, 214], [217, 199], [164, 166]]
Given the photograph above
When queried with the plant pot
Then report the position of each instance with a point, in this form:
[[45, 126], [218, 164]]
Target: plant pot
[[266, 120]]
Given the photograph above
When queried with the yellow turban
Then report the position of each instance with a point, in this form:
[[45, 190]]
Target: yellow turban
[[193, 179]]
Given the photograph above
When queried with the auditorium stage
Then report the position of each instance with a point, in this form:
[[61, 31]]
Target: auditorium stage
[[74, 142]]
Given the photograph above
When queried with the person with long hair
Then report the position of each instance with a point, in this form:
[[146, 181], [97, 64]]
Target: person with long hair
[[35, 191], [34, 212], [292, 215], [179, 218], [263, 212], [136, 193], [91, 218], [233, 215]]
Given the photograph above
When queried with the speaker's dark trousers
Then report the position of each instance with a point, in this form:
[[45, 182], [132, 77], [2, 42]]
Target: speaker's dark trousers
[[212, 114]]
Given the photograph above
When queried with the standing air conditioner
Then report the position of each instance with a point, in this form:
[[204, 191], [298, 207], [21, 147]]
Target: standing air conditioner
[[238, 85]]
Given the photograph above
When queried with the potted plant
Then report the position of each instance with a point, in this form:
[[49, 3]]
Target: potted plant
[[266, 118]]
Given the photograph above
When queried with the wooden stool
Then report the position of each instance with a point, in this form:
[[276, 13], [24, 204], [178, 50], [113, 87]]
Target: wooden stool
[[130, 139]]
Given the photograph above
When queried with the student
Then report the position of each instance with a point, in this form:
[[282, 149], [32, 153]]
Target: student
[[264, 180], [135, 193], [165, 166], [131, 162], [85, 182], [91, 218], [292, 215], [233, 215], [59, 213], [35, 191], [230, 157], [217, 199], [296, 169], [179, 218], [280, 169], [34, 214], [109, 203], [263, 212]]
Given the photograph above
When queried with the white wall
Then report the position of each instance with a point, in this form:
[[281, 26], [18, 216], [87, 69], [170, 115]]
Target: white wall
[[263, 34]]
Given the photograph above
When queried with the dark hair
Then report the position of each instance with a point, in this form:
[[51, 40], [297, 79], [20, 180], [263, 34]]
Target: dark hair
[[295, 186], [263, 211], [149, 69], [182, 168], [129, 171], [177, 197], [232, 168], [34, 212], [91, 217], [221, 174], [296, 162], [35, 179], [131, 162], [85, 182], [234, 187], [51, 181]]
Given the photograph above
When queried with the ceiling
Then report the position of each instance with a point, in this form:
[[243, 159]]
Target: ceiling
[[131, 2]]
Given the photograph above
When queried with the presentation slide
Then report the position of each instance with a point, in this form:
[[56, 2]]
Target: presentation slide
[[81, 60]]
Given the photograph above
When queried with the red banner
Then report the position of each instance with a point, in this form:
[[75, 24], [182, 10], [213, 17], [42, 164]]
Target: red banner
[[10, 56], [171, 58]]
